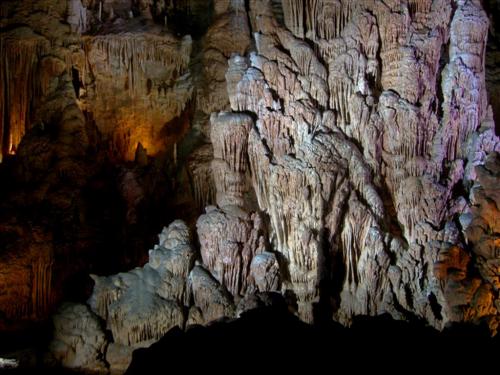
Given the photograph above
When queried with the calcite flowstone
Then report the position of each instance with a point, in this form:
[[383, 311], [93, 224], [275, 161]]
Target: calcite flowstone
[[265, 272], [79, 339], [140, 306], [344, 153], [212, 300], [230, 237], [365, 136]]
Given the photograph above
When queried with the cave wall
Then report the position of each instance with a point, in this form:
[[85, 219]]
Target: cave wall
[[492, 7], [93, 103], [373, 121], [341, 153]]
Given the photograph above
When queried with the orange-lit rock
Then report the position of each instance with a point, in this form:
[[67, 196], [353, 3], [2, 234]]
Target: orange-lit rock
[[27, 265], [340, 153], [134, 84]]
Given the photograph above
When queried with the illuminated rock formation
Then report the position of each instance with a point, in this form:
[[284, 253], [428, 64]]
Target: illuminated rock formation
[[342, 141], [133, 85], [140, 306], [21, 50], [202, 181], [211, 300], [228, 34], [79, 340], [230, 237], [342, 153]]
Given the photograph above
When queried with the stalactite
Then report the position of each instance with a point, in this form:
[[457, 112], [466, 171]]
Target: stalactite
[[77, 16], [419, 6], [130, 54], [137, 330], [18, 87], [150, 73], [294, 16], [41, 286], [200, 170]]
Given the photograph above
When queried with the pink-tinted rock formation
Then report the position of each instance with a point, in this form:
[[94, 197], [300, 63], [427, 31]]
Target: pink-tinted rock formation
[[344, 140], [342, 153]]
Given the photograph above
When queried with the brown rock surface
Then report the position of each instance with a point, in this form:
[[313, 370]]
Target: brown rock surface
[[344, 152], [386, 100]]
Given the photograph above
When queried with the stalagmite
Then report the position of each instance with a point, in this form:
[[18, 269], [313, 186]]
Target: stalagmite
[[229, 240], [79, 340], [141, 305], [200, 171], [265, 271], [230, 237], [209, 296], [339, 153], [229, 134]]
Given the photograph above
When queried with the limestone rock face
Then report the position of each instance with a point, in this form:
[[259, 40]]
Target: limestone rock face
[[212, 300], [361, 143], [79, 340], [26, 274], [230, 239], [340, 153], [141, 305], [138, 78]]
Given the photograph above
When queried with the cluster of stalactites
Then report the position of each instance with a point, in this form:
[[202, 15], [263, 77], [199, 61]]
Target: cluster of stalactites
[[317, 19], [18, 88], [131, 53], [229, 135]]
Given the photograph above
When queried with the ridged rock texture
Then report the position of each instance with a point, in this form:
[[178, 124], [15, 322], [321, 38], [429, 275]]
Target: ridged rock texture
[[79, 340], [372, 119], [493, 58], [138, 307], [340, 153], [87, 89]]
